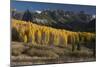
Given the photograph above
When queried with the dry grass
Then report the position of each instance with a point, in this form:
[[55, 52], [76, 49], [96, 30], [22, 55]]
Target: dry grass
[[17, 49]]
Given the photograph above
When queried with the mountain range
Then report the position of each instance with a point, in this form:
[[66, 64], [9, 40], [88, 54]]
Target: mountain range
[[59, 19]]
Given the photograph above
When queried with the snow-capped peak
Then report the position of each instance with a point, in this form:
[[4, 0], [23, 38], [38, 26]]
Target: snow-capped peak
[[38, 11], [93, 16]]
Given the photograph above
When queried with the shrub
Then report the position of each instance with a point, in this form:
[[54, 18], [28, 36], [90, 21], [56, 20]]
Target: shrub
[[17, 49], [58, 51], [15, 34], [42, 53], [78, 54]]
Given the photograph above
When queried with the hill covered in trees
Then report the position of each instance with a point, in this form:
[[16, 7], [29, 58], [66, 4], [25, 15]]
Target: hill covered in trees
[[28, 32]]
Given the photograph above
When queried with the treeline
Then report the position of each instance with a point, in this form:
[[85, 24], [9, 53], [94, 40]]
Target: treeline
[[43, 35]]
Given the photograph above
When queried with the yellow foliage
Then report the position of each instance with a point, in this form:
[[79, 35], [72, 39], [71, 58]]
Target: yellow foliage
[[25, 39], [44, 35]]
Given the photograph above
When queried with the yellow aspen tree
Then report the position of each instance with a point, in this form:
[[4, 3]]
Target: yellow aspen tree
[[39, 36], [47, 37], [65, 39], [25, 38], [56, 39]]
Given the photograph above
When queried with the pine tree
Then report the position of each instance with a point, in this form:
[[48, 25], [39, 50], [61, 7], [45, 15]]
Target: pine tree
[[27, 16]]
